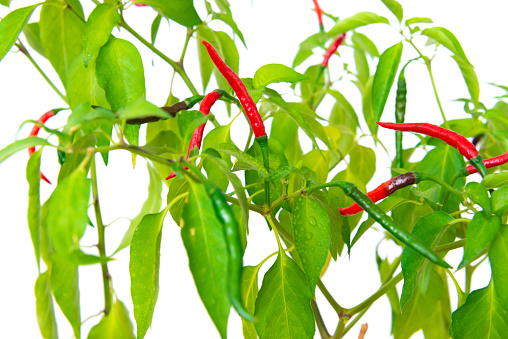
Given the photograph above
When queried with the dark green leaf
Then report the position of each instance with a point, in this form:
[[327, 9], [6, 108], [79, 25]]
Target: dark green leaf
[[120, 72], [181, 11], [479, 195], [98, 29], [500, 200], [249, 290], [151, 205], [428, 229], [116, 324], [33, 176], [33, 37], [144, 269], [311, 229], [11, 26], [283, 304], [395, 8], [384, 77], [273, 73], [44, 307], [62, 34], [447, 39], [481, 232], [358, 20], [203, 237]]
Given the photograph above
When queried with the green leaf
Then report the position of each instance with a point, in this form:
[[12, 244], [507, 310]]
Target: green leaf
[[116, 324], [141, 108], [11, 26], [144, 269], [481, 232], [317, 162], [203, 238], [311, 229], [284, 130], [64, 283], [447, 39], [227, 18], [498, 257], [429, 230], [272, 73], [283, 304], [482, 316], [248, 159], [151, 205], [479, 195], [418, 20], [218, 135], [249, 291], [120, 72], [364, 160], [98, 29], [33, 37], [44, 307], [206, 65], [188, 121], [395, 8], [155, 28], [165, 142], [384, 77], [500, 200], [181, 11], [33, 176], [62, 34], [470, 78], [365, 44], [5, 2], [67, 216], [358, 20]]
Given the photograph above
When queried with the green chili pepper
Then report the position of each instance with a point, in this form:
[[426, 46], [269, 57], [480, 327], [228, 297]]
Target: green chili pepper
[[400, 112]]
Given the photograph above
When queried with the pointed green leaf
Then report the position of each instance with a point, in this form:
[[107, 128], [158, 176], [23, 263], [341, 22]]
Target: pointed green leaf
[[206, 65], [283, 304], [116, 324], [181, 11], [248, 159], [470, 78], [32, 33], [144, 269], [44, 307], [188, 121], [33, 176], [5, 2], [498, 257], [429, 230], [447, 39], [272, 73], [11, 26], [62, 34], [155, 28], [98, 28], [227, 18], [120, 72], [141, 108], [21, 145], [418, 20], [358, 20], [480, 233], [499, 200], [384, 77], [249, 290], [395, 8], [203, 237], [479, 195]]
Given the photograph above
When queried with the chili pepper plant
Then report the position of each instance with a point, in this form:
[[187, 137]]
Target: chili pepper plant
[[301, 172]]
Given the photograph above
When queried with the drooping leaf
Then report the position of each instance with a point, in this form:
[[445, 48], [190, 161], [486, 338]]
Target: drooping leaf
[[311, 230], [272, 73], [22, 145], [283, 303], [116, 324], [227, 18], [33, 176], [181, 11], [155, 28], [62, 34], [44, 307], [11, 26], [469, 75], [98, 28], [395, 8], [384, 77], [144, 269], [358, 20], [203, 237], [447, 39]]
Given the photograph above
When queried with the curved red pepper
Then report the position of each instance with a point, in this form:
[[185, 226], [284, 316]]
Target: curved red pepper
[[138, 4], [489, 163], [319, 13], [35, 132], [382, 191], [197, 136], [255, 120], [332, 49]]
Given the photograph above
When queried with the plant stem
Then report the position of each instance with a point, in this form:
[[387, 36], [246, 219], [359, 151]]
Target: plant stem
[[319, 320], [451, 246], [252, 207], [25, 52], [353, 322], [469, 276], [176, 66], [106, 277], [339, 309]]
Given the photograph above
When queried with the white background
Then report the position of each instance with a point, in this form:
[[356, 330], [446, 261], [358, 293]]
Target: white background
[[272, 30]]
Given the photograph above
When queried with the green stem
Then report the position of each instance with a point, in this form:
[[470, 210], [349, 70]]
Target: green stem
[[319, 320], [252, 207], [339, 309], [426, 176], [353, 322], [451, 246], [176, 65], [25, 52], [460, 294], [469, 278], [340, 327], [106, 277]]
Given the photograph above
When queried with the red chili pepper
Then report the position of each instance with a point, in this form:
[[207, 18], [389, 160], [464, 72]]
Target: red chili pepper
[[35, 132], [489, 163], [255, 120], [332, 49], [382, 191], [197, 136], [319, 13], [464, 146], [140, 4]]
